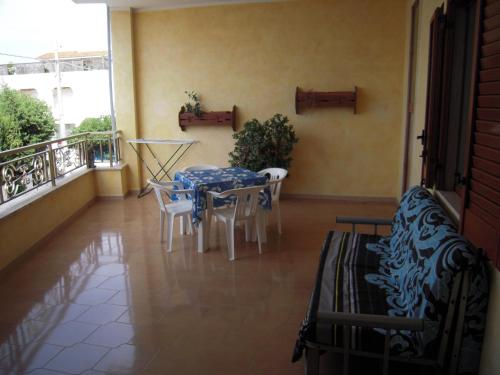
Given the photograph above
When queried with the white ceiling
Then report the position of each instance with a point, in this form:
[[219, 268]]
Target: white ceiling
[[166, 4]]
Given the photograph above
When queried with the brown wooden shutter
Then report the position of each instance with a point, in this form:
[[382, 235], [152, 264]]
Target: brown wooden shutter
[[430, 137], [481, 209]]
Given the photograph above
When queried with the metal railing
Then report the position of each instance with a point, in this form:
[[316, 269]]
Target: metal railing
[[27, 168]]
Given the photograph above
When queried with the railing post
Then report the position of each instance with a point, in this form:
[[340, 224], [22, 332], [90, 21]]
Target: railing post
[[52, 165], [110, 152], [1, 186], [117, 149]]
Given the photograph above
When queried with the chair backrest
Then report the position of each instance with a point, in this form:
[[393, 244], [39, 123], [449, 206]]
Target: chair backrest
[[200, 167], [245, 200], [158, 187], [275, 177], [170, 189]]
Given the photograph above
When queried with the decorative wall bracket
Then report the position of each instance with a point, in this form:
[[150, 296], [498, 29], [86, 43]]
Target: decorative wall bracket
[[310, 99], [207, 118]]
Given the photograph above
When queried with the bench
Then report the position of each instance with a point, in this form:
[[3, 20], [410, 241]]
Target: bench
[[419, 295]]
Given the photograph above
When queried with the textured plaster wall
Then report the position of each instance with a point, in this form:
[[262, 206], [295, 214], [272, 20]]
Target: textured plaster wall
[[24, 228], [111, 182], [253, 56], [125, 95]]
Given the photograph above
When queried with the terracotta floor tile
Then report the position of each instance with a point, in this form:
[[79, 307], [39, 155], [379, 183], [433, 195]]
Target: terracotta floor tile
[[31, 357], [112, 335], [121, 298], [94, 296], [77, 359], [119, 282], [62, 313], [45, 372], [103, 296], [102, 314], [70, 333], [126, 359]]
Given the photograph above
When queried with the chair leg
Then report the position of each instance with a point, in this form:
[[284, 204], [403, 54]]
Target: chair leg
[[261, 216], [170, 231], [162, 224], [189, 224], [248, 230], [181, 225], [278, 213], [230, 239], [258, 227], [208, 221]]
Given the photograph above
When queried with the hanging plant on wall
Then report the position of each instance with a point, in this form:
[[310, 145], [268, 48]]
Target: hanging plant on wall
[[192, 114], [264, 145], [193, 104]]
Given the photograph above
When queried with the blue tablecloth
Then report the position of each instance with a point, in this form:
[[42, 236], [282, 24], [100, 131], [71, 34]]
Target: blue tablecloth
[[219, 180]]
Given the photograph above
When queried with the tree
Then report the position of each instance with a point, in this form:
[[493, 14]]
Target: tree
[[23, 120], [93, 124]]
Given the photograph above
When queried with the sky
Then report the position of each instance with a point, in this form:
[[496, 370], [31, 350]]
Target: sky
[[34, 27]]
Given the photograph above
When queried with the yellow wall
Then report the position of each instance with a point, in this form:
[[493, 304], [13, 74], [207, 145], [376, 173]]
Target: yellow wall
[[111, 182], [22, 229], [124, 85], [253, 56]]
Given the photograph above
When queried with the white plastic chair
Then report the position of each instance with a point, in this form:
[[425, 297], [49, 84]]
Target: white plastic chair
[[182, 208], [200, 167], [275, 178], [244, 208]]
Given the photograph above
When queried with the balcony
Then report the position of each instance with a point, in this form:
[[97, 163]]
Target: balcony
[[88, 286], [103, 295]]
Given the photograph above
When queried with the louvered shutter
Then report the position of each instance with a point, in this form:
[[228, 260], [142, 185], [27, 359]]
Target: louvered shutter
[[481, 213], [430, 137]]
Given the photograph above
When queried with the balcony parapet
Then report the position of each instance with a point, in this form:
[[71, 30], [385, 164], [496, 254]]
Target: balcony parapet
[[29, 168]]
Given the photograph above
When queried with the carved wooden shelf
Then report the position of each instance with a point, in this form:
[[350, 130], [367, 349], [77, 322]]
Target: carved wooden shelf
[[207, 118], [310, 99]]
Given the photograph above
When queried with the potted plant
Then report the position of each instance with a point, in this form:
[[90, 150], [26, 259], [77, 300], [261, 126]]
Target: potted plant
[[192, 114], [264, 145]]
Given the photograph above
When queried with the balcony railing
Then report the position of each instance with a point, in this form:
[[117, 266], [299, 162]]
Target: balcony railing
[[27, 168]]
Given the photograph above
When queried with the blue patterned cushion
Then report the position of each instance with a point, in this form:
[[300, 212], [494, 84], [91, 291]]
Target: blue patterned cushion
[[413, 270], [417, 269]]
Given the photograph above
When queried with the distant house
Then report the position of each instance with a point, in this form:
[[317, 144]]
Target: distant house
[[83, 81]]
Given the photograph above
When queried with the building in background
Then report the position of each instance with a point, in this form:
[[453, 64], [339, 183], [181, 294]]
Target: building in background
[[75, 85]]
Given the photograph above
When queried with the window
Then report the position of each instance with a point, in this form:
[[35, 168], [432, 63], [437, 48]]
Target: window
[[462, 130]]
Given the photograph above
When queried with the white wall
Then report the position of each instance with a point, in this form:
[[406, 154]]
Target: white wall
[[89, 95]]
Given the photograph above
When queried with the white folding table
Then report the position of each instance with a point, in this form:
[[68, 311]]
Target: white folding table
[[164, 167]]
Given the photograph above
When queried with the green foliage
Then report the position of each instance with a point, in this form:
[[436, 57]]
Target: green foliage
[[193, 104], [93, 124], [23, 120], [264, 145]]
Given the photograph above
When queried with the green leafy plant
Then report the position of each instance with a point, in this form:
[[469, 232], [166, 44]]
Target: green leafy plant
[[193, 104], [23, 120], [94, 124], [264, 145]]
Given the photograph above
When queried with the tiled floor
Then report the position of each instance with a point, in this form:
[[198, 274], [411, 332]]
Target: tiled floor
[[103, 296]]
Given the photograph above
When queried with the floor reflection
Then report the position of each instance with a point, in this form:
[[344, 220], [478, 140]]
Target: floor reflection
[[103, 296]]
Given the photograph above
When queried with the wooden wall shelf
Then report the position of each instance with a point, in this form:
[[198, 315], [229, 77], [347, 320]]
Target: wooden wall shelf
[[207, 118], [310, 99]]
